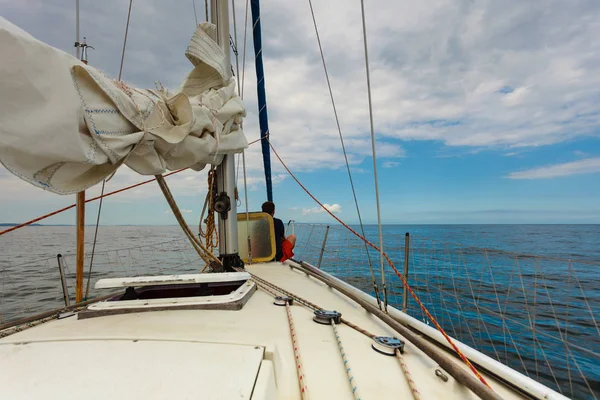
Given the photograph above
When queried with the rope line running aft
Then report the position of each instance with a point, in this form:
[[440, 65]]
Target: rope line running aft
[[265, 285], [296, 347], [347, 368], [337, 121], [262, 284], [391, 264], [413, 387]]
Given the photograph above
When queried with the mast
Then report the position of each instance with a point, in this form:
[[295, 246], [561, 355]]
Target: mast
[[77, 29], [225, 204], [80, 219], [263, 118]]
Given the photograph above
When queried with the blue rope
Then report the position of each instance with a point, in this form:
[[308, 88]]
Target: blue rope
[[351, 380], [262, 97]]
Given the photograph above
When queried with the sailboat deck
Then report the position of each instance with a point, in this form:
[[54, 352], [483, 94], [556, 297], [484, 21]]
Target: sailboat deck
[[203, 349]]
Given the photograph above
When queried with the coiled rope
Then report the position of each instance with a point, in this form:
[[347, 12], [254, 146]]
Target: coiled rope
[[211, 236]]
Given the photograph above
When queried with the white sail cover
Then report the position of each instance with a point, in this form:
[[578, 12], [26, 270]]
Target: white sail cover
[[65, 126]]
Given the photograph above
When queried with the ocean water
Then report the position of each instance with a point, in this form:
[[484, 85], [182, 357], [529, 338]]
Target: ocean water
[[527, 295]]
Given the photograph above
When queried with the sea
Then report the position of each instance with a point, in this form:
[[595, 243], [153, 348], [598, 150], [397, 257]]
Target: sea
[[526, 295]]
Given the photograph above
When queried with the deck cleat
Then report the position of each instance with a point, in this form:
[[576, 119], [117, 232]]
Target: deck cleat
[[387, 345], [325, 316], [283, 300]]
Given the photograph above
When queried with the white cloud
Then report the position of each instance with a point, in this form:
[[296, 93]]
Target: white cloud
[[334, 208], [390, 164], [460, 72], [586, 166]]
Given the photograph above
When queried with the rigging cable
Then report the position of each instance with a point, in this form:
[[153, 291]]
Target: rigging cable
[[391, 264], [244, 55], [243, 155], [234, 47], [87, 286], [364, 26], [195, 16], [337, 121]]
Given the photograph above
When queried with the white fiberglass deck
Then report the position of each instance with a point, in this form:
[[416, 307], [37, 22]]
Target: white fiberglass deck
[[212, 354]]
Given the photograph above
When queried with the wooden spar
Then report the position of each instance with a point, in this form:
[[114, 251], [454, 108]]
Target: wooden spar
[[80, 222], [444, 361], [80, 246]]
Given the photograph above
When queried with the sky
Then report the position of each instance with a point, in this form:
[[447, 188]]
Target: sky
[[484, 111]]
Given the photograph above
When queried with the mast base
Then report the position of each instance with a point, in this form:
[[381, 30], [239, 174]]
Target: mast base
[[231, 261]]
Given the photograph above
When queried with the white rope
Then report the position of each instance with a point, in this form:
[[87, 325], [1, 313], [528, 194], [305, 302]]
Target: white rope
[[413, 387], [364, 25], [297, 358], [347, 368], [337, 121]]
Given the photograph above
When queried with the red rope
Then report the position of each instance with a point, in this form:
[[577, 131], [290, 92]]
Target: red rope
[[87, 201], [404, 282]]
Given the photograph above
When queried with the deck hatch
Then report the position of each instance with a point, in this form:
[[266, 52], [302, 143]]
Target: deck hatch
[[226, 291]]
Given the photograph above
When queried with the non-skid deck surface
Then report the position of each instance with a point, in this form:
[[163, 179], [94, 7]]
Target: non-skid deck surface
[[258, 324]]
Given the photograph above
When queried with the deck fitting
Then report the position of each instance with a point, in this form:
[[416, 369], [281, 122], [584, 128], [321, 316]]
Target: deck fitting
[[325, 316], [283, 300], [387, 345]]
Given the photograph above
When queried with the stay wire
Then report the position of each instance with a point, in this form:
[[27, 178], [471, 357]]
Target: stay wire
[[244, 55], [337, 121], [89, 277], [195, 15], [364, 26]]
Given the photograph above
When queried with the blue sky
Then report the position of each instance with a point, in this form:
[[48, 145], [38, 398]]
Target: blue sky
[[482, 115]]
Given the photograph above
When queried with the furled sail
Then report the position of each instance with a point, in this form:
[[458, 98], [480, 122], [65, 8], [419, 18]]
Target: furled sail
[[65, 126]]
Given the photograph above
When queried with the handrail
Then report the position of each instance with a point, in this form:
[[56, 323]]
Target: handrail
[[462, 246], [507, 374]]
